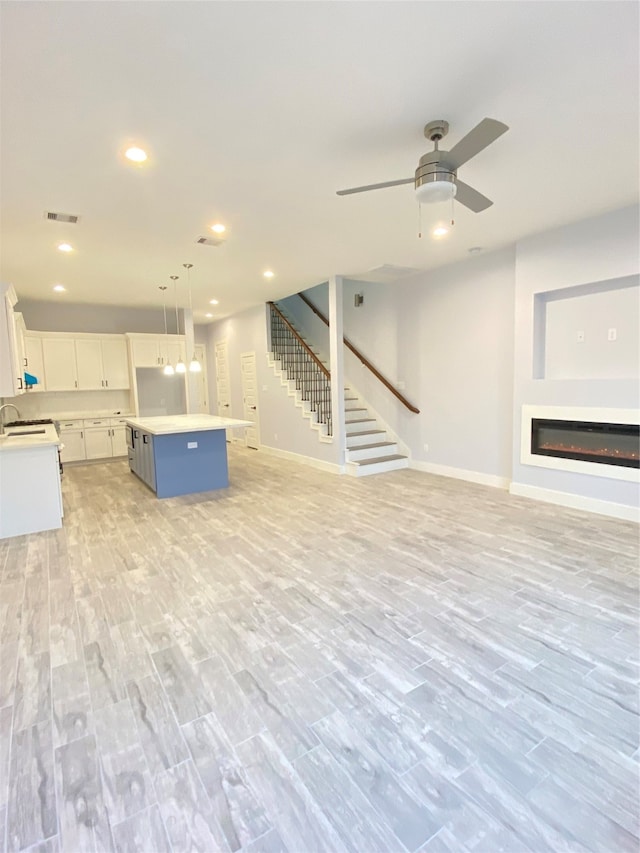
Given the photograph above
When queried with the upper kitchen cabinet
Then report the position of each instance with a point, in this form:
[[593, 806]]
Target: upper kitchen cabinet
[[102, 363], [59, 356], [34, 360], [11, 347], [156, 350]]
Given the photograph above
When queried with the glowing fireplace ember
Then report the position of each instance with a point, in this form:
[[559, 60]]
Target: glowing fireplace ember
[[603, 443]]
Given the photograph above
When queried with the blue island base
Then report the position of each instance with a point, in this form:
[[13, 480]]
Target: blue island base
[[182, 463]]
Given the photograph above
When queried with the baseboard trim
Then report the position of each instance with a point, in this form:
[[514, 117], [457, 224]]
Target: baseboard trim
[[461, 474], [329, 467], [614, 510]]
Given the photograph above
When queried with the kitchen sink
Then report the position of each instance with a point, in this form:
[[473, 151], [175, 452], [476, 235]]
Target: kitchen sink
[[28, 432]]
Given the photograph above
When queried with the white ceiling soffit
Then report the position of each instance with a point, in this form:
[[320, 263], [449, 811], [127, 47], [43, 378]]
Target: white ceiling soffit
[[259, 111]]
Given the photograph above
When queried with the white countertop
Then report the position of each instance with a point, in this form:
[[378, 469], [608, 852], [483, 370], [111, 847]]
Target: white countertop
[[14, 438], [168, 424]]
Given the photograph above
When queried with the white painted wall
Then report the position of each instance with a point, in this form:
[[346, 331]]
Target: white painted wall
[[595, 250], [577, 332], [282, 426]]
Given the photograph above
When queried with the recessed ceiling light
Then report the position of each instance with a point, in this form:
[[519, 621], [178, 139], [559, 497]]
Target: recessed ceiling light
[[213, 302], [440, 231], [65, 247], [59, 288], [136, 155], [268, 274], [218, 228], [208, 315]]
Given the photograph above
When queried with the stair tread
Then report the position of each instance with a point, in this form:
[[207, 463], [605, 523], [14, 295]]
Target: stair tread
[[361, 421], [373, 446], [366, 432], [377, 459]]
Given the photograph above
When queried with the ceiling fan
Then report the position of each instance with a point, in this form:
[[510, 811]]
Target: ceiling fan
[[436, 177]]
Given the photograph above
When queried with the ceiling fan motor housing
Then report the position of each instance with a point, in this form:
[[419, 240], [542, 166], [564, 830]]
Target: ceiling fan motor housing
[[431, 168]]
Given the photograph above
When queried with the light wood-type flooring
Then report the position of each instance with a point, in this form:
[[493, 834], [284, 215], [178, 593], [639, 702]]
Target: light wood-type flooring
[[304, 662]]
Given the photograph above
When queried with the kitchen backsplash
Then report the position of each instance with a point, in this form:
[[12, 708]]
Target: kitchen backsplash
[[36, 404]]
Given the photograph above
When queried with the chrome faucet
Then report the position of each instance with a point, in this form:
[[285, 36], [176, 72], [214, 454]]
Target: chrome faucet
[[6, 406]]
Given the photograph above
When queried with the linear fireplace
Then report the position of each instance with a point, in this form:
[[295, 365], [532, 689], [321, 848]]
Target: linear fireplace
[[596, 441], [589, 441]]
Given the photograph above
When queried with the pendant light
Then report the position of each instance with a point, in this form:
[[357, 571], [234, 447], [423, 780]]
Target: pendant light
[[168, 369], [194, 364], [180, 365]]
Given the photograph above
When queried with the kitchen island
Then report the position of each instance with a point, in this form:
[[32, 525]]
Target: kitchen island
[[30, 494], [180, 454]]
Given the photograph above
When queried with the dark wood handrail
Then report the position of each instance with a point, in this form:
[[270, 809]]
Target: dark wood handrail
[[299, 339], [361, 358]]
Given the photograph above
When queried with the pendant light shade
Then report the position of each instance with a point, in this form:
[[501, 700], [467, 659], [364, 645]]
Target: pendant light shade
[[194, 364]]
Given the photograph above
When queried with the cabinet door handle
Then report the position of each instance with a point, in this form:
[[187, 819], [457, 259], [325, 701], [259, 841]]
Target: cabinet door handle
[[76, 383], [145, 439], [106, 382], [81, 434], [102, 382], [252, 407], [26, 362], [20, 381]]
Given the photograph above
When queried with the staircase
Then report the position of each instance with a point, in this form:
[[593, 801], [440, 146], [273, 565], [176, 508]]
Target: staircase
[[369, 450]]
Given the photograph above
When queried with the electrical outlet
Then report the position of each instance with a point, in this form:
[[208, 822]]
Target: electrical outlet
[[612, 335], [580, 337], [265, 387], [191, 445], [426, 448]]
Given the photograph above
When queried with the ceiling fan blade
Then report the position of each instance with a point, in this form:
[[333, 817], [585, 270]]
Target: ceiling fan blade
[[476, 140], [471, 198], [375, 186]]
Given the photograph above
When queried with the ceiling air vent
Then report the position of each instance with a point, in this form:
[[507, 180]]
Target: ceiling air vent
[[209, 241], [61, 217]]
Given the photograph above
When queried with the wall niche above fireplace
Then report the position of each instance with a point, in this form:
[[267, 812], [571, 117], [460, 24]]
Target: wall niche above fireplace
[[600, 442]]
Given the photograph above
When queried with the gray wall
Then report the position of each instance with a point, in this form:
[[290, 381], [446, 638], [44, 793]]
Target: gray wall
[[281, 423], [78, 317], [600, 249]]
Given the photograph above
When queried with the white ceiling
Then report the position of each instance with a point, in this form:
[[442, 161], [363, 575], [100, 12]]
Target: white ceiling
[[255, 113]]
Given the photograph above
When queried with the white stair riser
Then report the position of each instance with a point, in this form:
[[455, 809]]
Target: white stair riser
[[355, 440], [376, 468], [354, 454], [360, 427]]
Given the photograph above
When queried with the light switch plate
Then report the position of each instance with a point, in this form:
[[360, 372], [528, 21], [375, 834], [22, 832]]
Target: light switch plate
[[612, 335], [191, 445]]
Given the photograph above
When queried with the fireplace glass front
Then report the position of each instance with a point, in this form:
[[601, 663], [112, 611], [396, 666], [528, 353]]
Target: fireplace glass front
[[606, 444]]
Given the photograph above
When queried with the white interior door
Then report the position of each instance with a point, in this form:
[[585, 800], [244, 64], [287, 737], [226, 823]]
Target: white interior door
[[223, 385], [202, 387], [250, 397]]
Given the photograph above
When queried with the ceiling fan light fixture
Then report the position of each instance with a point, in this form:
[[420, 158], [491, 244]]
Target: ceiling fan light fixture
[[440, 189]]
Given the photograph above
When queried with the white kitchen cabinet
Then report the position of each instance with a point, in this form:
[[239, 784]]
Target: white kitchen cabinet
[[156, 350], [102, 363], [73, 441], [60, 364], [115, 363], [34, 361], [176, 351], [89, 364], [119, 440], [11, 355], [97, 442], [146, 352]]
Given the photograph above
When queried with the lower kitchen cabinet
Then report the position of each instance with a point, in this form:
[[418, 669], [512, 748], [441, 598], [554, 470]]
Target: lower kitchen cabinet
[[93, 438], [97, 443]]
